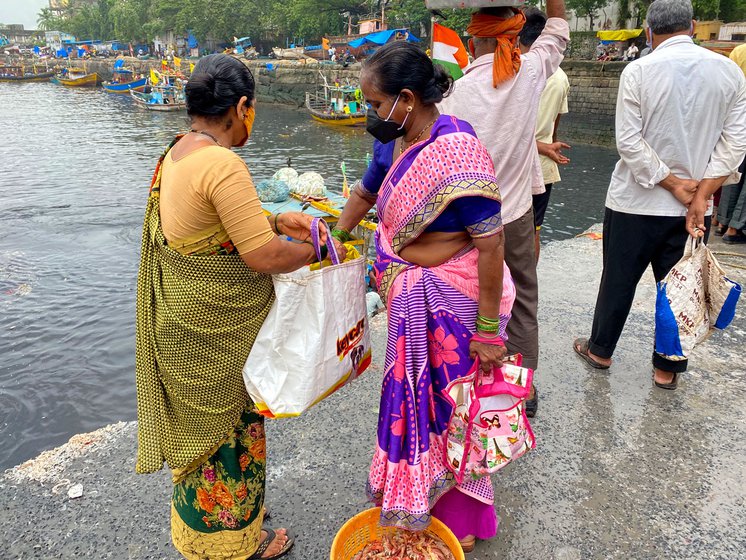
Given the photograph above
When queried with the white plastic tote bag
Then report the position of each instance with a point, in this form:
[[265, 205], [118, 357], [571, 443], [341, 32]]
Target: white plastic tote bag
[[315, 338], [694, 298]]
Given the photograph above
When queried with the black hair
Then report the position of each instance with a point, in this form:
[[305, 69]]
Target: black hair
[[217, 84], [535, 22], [401, 65]]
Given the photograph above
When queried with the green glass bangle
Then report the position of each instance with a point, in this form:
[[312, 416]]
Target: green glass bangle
[[486, 320], [342, 235], [487, 328]]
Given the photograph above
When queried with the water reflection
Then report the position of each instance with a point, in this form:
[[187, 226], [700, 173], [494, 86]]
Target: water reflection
[[74, 173]]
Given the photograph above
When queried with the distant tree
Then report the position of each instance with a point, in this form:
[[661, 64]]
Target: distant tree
[[129, 19], [46, 20], [632, 10], [587, 9], [732, 10], [706, 9]]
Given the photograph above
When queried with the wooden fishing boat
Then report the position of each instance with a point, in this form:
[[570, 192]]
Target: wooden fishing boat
[[75, 77], [20, 74], [288, 54], [164, 98], [337, 105], [123, 81]]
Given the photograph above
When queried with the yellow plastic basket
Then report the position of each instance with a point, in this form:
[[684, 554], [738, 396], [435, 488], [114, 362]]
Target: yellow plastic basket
[[364, 528]]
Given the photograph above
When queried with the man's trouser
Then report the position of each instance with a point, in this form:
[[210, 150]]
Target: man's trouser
[[732, 208], [632, 242], [520, 256]]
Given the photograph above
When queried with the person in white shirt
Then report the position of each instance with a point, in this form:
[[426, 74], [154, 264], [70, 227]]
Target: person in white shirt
[[631, 53], [681, 132], [499, 96], [553, 104]]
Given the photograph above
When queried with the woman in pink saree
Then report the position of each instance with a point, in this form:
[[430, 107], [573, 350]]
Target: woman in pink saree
[[441, 273]]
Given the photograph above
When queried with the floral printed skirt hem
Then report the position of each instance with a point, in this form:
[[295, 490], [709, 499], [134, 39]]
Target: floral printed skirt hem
[[216, 509], [223, 545]]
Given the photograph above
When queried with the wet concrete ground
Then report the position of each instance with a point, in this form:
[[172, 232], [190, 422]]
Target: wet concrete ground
[[622, 470]]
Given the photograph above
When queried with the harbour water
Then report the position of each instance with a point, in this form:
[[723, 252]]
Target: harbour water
[[74, 173]]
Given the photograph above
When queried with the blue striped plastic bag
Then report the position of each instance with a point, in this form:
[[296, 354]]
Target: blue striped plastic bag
[[694, 298]]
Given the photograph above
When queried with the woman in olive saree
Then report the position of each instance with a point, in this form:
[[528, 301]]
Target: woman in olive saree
[[204, 290]]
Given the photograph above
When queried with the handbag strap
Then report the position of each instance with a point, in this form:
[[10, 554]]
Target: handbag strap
[[316, 226], [692, 244]]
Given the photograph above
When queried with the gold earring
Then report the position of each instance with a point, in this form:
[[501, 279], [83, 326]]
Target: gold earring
[[409, 109]]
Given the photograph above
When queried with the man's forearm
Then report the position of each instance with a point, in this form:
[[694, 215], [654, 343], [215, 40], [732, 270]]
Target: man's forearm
[[708, 187], [556, 9]]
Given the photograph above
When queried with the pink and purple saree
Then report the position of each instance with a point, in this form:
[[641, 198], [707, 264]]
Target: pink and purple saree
[[431, 315]]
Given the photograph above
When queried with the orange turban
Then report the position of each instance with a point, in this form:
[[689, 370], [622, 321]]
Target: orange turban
[[507, 54]]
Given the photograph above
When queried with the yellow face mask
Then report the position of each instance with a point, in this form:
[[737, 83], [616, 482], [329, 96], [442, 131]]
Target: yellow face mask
[[248, 122]]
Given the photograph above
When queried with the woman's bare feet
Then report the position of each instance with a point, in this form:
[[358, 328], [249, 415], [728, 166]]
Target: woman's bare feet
[[468, 543], [277, 545]]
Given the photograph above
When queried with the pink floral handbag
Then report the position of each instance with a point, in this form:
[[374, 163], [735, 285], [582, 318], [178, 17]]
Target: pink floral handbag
[[488, 427]]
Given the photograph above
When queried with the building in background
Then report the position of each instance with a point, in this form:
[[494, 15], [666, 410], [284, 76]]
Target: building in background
[[733, 31], [707, 30], [16, 34]]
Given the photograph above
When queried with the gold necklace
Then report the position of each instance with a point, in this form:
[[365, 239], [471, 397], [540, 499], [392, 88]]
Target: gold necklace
[[413, 142], [210, 136]]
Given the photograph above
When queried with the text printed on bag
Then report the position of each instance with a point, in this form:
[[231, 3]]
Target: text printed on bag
[[351, 339]]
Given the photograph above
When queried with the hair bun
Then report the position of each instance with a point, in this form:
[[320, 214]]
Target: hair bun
[[442, 79], [218, 83]]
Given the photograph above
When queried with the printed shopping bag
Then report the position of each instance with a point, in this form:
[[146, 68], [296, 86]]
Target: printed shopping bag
[[694, 298], [488, 427], [315, 338]]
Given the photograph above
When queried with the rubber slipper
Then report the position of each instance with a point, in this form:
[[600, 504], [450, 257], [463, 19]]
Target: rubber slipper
[[265, 544], [467, 545], [581, 349], [668, 386], [532, 405], [736, 239]]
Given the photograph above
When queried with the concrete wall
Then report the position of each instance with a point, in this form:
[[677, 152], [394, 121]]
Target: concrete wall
[[592, 102], [593, 90]]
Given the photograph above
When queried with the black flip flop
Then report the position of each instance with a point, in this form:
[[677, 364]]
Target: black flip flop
[[264, 545], [581, 349], [668, 386], [532, 405]]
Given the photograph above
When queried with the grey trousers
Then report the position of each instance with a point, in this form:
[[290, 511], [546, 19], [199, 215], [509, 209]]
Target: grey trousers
[[732, 208], [520, 256]]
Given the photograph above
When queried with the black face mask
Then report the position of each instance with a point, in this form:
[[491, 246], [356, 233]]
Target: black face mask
[[381, 130], [384, 130]]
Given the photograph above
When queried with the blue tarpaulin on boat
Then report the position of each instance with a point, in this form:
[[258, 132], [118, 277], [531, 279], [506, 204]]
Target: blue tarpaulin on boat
[[383, 37], [192, 41], [62, 53]]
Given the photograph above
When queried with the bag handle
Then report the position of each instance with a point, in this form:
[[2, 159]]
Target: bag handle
[[499, 385], [692, 244], [316, 226]]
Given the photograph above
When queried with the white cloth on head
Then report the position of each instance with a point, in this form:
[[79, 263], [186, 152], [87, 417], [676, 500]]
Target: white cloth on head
[[505, 117], [680, 110]]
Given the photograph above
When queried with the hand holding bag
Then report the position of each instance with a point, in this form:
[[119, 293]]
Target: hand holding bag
[[315, 338], [694, 298], [488, 427]]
